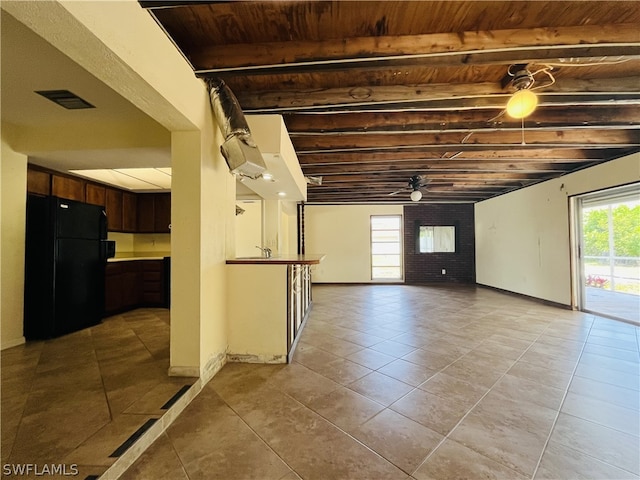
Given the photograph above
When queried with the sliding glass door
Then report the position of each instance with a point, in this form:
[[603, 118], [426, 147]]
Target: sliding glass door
[[608, 252]]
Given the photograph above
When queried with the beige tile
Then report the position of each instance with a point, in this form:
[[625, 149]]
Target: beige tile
[[407, 372], [393, 348], [437, 413], [612, 352], [453, 461], [602, 412], [342, 371], [513, 447], [158, 461], [430, 359], [316, 449], [339, 347], [301, 383], [96, 450], [471, 372], [549, 361], [453, 388], [370, 358], [153, 401], [623, 397], [235, 452], [540, 374], [606, 375], [605, 444], [345, 408], [402, 441], [630, 367], [381, 388], [522, 389], [560, 461]]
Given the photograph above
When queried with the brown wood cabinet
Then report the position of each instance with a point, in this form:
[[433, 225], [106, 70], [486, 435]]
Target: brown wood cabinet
[[129, 212], [95, 194], [38, 182], [134, 284], [67, 187], [154, 212], [146, 213], [126, 211], [162, 217], [114, 209]]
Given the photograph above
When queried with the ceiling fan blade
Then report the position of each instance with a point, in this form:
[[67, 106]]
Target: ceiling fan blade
[[397, 192]]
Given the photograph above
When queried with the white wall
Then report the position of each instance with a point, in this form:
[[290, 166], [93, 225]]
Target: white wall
[[343, 234], [121, 45], [249, 229], [522, 238], [13, 202]]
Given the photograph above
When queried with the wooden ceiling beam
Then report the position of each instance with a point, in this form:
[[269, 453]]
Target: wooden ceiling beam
[[292, 100], [516, 154], [459, 48], [461, 141], [604, 116]]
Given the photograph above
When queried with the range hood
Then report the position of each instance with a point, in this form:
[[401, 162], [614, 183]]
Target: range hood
[[239, 149]]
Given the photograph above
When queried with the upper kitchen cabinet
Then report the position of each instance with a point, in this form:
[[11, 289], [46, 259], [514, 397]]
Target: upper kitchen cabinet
[[129, 212], [95, 194], [38, 182], [67, 187], [154, 212], [114, 209], [162, 217]]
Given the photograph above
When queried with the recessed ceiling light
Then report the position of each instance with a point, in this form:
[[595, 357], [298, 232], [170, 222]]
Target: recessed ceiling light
[[65, 99], [267, 176], [282, 194]]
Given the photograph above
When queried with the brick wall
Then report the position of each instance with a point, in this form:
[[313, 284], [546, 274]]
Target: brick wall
[[427, 267]]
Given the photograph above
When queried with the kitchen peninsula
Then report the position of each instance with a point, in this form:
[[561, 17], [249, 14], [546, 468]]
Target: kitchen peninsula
[[268, 302]]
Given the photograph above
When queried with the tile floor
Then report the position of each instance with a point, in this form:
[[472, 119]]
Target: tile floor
[[77, 398], [399, 382]]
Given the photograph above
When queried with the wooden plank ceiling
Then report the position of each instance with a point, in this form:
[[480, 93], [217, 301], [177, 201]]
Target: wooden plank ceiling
[[376, 92]]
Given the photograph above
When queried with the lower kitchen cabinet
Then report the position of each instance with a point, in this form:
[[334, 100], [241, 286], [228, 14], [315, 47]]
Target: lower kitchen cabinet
[[134, 284]]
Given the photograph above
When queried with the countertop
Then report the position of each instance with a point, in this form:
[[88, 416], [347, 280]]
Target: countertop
[[309, 259], [129, 256]]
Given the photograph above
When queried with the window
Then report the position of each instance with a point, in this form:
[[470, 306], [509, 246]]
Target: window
[[437, 239], [386, 247]]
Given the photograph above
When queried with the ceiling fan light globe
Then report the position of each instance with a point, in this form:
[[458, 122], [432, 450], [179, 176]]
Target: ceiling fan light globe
[[522, 104], [416, 195]]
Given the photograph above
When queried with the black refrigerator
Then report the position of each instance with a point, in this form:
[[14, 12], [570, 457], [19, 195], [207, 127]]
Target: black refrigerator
[[65, 261]]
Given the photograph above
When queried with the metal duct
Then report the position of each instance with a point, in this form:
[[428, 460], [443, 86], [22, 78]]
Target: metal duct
[[239, 150]]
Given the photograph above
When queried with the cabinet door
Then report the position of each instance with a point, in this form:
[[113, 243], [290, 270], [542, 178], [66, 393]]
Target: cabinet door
[[67, 187], [146, 215], [113, 288], [129, 212], [114, 209], [38, 182], [162, 214], [95, 194]]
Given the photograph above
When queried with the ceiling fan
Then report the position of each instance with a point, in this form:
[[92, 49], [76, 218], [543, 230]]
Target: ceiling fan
[[416, 182]]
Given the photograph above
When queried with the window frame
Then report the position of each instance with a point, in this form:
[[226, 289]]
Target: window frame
[[400, 243]]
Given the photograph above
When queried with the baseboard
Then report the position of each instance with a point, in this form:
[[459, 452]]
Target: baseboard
[[13, 343], [184, 372], [528, 297], [265, 358]]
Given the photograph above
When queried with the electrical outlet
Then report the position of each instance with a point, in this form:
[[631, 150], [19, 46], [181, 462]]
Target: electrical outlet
[[444, 271]]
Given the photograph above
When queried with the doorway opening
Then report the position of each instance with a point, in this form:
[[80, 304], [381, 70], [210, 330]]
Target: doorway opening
[[607, 252]]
